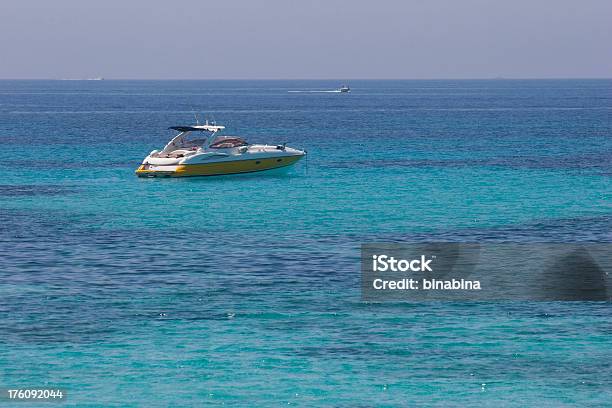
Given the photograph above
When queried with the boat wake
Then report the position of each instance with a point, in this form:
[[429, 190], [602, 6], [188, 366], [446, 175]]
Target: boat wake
[[313, 91]]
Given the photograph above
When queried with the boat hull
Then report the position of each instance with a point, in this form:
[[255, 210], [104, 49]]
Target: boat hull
[[217, 168]]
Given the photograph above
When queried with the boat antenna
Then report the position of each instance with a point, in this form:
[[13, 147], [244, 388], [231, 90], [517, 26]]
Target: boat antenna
[[196, 116]]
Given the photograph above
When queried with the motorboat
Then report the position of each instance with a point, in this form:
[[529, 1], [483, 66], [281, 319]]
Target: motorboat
[[198, 150], [344, 88]]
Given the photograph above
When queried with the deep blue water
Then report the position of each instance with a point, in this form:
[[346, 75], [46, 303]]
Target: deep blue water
[[244, 290]]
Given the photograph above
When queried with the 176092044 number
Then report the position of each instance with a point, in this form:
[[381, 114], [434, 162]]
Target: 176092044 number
[[29, 394]]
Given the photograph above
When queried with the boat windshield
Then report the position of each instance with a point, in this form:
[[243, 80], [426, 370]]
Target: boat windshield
[[190, 140]]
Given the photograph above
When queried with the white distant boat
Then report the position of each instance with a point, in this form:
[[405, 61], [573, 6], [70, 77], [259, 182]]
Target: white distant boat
[[344, 88]]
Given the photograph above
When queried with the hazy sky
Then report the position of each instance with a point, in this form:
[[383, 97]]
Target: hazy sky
[[305, 39]]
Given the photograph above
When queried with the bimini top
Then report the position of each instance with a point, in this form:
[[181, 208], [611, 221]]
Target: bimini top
[[198, 128]]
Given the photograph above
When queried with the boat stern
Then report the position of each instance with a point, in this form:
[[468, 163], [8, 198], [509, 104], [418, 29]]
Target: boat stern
[[149, 170]]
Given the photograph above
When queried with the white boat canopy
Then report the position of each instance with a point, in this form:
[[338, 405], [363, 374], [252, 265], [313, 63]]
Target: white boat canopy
[[184, 130]]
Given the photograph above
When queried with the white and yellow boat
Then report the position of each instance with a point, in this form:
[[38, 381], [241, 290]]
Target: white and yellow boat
[[214, 155]]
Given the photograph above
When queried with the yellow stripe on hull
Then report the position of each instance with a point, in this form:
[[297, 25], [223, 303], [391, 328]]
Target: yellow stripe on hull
[[221, 168]]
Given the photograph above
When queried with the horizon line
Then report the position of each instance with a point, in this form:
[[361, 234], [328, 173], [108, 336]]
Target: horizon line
[[101, 78]]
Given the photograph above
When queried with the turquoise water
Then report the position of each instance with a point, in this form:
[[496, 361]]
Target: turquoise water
[[244, 290]]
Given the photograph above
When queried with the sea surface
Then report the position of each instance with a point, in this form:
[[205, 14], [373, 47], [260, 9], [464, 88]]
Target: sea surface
[[245, 290]]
